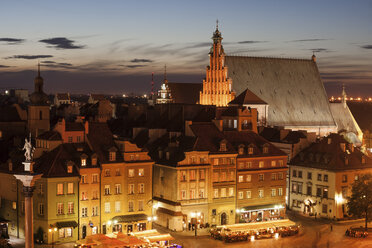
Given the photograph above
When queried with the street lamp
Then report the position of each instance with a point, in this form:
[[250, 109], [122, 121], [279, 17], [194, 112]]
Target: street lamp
[[195, 215], [53, 230]]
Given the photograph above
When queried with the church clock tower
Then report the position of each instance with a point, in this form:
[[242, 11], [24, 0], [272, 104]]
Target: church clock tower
[[216, 86], [38, 116]]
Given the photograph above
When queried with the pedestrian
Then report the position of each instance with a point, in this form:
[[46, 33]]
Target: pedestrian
[[331, 227], [315, 215]]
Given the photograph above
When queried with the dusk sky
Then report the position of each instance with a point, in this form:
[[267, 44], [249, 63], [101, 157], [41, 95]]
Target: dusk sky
[[114, 46]]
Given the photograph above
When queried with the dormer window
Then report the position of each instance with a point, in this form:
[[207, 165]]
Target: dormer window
[[223, 146], [167, 155], [241, 150], [112, 156], [69, 167], [84, 160], [266, 149], [250, 150], [94, 160]]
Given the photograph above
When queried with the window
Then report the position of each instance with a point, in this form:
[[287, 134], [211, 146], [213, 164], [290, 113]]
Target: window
[[94, 178], [240, 195], [309, 175], [14, 205], [300, 188], [94, 161], [231, 176], [260, 177], [117, 172], [60, 189], [117, 206], [318, 191], [215, 193], [84, 196], [266, 149], [325, 178], [78, 139], [248, 194], [319, 177], [69, 139], [344, 192], [241, 150], [70, 207], [112, 156], [60, 209], [215, 176], [280, 191], [70, 188], [215, 161], [223, 147], [141, 172], [248, 178], [192, 194], [202, 160], [41, 209], [223, 192], [183, 176], [192, 175], [356, 177], [41, 191], [107, 172], [83, 179], [249, 165], [241, 165], [273, 192], [273, 176], [95, 195], [324, 208], [201, 194], [130, 206], [294, 187], [344, 178], [141, 188], [260, 193], [117, 188], [84, 212], [309, 190], [280, 162], [107, 207], [107, 189], [273, 163], [294, 173], [131, 189], [83, 162], [223, 176], [240, 179], [183, 194], [325, 192], [193, 160], [131, 173], [95, 211], [299, 174], [140, 205], [261, 164], [250, 150], [280, 176], [202, 174], [231, 191]]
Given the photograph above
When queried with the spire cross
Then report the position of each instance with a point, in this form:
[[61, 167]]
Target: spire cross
[[217, 24]]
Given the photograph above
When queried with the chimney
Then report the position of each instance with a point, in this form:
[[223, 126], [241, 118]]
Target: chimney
[[343, 147], [188, 131], [86, 125]]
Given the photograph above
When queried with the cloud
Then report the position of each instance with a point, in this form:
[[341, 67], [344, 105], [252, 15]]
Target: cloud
[[53, 64], [251, 41], [12, 41], [4, 66], [141, 61], [29, 57], [61, 43], [367, 47], [135, 66], [306, 40], [319, 50]]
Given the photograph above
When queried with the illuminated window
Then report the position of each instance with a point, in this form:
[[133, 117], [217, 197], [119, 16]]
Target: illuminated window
[[107, 172], [131, 173], [250, 150], [131, 189], [192, 194], [223, 192], [117, 206], [141, 172], [84, 212], [69, 168], [95, 211], [107, 207], [273, 163], [95, 178], [241, 195], [240, 179], [248, 178], [84, 195], [117, 172], [117, 188], [273, 192], [183, 194], [280, 191], [261, 164], [201, 193], [249, 165], [41, 209], [140, 205], [248, 194], [260, 193], [60, 189], [107, 189], [141, 188], [83, 162], [130, 206], [231, 192], [112, 156], [215, 193], [95, 195], [70, 188], [60, 208], [70, 207]]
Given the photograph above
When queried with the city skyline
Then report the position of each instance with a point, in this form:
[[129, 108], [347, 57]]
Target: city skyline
[[114, 47]]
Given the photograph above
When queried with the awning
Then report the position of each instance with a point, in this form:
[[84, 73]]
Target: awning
[[64, 224], [130, 218], [169, 212], [263, 207], [3, 221], [162, 237]]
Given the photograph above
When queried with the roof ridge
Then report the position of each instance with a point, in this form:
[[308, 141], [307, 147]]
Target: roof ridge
[[55, 158], [268, 57]]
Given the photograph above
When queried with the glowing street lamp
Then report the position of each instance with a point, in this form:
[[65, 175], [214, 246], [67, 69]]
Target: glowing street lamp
[[53, 230]]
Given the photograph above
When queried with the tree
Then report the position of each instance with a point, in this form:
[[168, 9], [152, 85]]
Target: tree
[[360, 202]]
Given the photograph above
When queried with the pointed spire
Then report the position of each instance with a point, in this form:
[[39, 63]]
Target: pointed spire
[[165, 74], [217, 24], [344, 97], [38, 69]]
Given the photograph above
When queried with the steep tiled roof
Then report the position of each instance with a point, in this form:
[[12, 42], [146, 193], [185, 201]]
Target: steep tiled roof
[[50, 135], [328, 154], [249, 138], [271, 134], [359, 111], [208, 138], [9, 114], [291, 87], [247, 97], [343, 118], [74, 126]]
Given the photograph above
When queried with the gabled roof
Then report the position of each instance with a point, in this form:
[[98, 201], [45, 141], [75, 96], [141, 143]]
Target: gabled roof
[[247, 97], [9, 114], [327, 154], [185, 92], [50, 135], [343, 117], [74, 126], [208, 138], [291, 87], [359, 111]]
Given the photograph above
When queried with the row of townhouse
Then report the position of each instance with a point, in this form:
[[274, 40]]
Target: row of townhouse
[[100, 186], [214, 174]]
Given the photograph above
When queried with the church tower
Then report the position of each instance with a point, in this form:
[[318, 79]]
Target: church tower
[[164, 94], [38, 116], [217, 87]]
